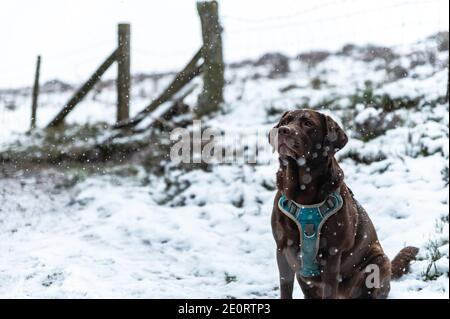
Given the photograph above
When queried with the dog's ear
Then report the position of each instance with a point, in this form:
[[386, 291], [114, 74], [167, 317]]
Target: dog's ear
[[335, 138], [273, 134]]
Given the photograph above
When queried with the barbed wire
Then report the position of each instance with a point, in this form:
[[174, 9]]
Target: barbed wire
[[283, 17], [402, 26], [68, 56], [86, 48], [328, 18]]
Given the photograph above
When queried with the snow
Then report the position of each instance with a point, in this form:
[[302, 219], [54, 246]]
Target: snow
[[366, 114], [115, 241], [139, 236]]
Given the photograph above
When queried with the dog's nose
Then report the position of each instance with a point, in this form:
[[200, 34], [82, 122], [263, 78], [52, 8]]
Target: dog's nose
[[284, 130]]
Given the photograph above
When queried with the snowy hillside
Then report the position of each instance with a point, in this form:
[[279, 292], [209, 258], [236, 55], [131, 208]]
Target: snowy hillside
[[98, 230]]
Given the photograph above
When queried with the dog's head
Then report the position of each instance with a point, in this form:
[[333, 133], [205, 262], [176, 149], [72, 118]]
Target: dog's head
[[306, 135]]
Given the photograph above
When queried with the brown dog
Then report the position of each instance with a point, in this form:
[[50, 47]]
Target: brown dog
[[349, 257]]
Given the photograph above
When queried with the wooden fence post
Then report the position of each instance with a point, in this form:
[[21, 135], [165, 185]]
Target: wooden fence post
[[213, 72], [35, 96], [123, 73]]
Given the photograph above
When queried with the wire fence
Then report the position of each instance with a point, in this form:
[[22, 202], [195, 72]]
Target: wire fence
[[326, 26], [280, 21]]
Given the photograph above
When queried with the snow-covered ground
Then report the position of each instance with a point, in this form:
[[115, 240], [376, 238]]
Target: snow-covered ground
[[206, 233]]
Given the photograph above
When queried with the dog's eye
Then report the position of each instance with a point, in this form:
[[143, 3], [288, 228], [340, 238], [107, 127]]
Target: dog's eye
[[307, 123], [287, 119]]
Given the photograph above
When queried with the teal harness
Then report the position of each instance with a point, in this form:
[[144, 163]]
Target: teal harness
[[309, 220]]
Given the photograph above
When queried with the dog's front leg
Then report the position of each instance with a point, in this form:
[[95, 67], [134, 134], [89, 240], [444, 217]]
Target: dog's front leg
[[287, 276], [331, 276]]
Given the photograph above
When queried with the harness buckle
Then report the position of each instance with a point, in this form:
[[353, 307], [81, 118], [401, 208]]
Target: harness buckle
[[309, 230]]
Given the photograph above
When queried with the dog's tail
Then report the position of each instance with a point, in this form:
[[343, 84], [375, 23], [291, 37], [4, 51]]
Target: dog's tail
[[400, 264]]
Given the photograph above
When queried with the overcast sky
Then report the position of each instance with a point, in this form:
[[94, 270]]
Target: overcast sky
[[74, 36]]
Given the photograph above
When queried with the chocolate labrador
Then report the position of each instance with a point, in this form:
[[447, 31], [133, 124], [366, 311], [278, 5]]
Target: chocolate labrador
[[324, 237]]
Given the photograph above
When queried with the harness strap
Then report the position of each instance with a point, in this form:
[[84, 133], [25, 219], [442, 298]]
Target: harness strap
[[309, 220]]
